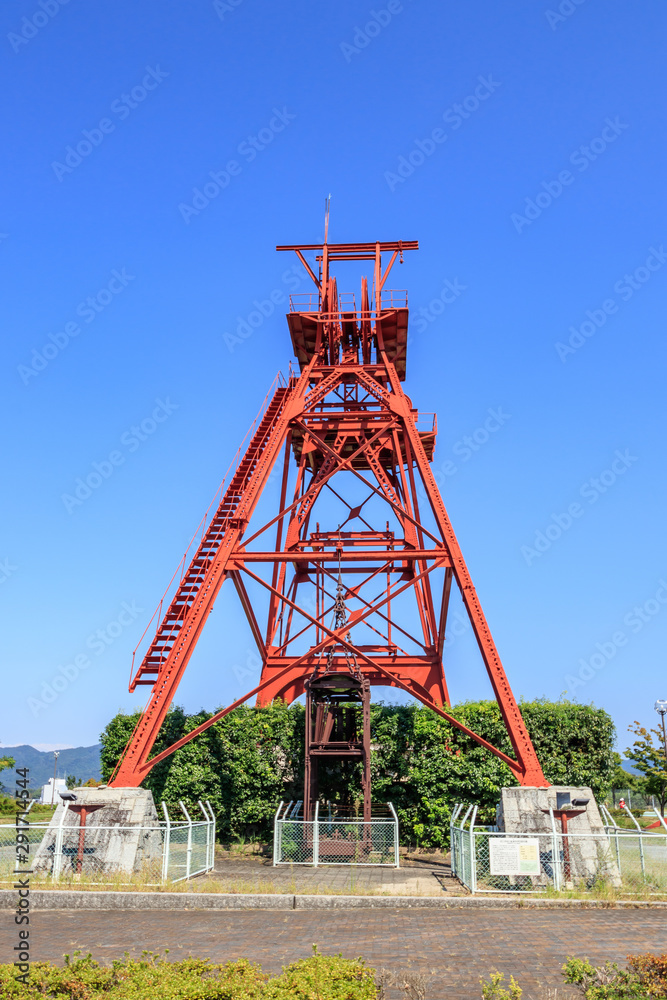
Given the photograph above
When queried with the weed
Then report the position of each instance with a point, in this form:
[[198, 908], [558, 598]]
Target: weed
[[494, 990]]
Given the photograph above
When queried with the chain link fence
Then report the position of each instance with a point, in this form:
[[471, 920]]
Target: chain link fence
[[169, 851], [632, 798], [487, 860], [333, 840]]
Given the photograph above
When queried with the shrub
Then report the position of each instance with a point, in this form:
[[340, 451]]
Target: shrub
[[645, 978], [651, 971], [494, 990], [322, 977]]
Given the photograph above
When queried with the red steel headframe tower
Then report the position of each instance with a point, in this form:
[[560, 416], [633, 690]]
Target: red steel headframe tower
[[351, 450]]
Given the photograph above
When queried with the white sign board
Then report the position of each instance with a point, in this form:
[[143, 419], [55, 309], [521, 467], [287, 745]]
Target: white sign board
[[512, 856]]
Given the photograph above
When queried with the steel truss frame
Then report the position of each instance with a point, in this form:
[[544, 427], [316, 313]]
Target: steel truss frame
[[345, 417]]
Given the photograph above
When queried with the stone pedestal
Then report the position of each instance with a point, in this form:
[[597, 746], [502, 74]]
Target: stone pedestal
[[585, 850], [121, 834], [526, 810]]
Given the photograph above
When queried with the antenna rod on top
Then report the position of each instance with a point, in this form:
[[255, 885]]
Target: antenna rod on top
[[327, 205]]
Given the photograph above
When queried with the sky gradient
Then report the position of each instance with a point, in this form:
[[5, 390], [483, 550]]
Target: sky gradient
[[156, 153]]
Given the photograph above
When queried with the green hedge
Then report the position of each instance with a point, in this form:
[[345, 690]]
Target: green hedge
[[250, 760], [323, 976]]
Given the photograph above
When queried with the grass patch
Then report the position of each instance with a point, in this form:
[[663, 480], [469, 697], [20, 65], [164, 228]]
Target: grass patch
[[123, 882], [40, 813]]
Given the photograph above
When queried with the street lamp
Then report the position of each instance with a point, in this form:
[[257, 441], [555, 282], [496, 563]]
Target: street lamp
[[56, 754], [661, 709]]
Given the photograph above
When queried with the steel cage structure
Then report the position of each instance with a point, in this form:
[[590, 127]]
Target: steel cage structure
[[341, 422], [329, 840]]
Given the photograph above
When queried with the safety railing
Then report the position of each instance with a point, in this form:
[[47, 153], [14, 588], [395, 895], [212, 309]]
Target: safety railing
[[394, 298], [304, 302], [333, 840], [309, 302], [488, 860], [168, 851], [426, 423], [175, 582]]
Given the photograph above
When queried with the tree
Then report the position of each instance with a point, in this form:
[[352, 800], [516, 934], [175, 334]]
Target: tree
[[622, 779], [72, 781], [6, 762], [247, 762], [648, 755]]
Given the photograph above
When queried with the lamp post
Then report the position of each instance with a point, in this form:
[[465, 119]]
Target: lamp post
[[56, 754], [661, 709]]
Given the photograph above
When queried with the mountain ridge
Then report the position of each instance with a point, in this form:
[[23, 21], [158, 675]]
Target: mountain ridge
[[82, 762]]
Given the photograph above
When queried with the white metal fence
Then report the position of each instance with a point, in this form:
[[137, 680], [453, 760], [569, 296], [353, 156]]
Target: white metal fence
[[169, 851], [487, 860], [333, 840]]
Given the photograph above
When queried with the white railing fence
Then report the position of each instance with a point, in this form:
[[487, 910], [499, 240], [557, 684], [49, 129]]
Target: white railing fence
[[168, 851], [333, 840], [487, 860]]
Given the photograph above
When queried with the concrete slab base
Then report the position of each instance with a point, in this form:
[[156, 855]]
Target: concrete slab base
[[526, 810], [584, 852], [121, 834]]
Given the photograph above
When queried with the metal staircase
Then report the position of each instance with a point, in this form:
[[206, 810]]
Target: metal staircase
[[226, 516]]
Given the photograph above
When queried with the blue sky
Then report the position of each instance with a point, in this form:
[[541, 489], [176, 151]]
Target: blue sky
[[521, 144]]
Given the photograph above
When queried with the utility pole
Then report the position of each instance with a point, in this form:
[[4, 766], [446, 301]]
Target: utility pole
[[56, 754], [661, 709]]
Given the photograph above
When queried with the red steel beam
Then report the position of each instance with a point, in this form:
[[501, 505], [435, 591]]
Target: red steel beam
[[369, 401]]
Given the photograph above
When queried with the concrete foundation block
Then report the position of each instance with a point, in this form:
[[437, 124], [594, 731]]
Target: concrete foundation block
[[583, 851], [122, 834], [526, 810]]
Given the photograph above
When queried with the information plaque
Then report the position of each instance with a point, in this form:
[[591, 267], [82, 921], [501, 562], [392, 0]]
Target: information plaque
[[512, 856]]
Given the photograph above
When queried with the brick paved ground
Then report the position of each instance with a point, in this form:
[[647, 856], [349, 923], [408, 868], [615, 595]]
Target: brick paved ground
[[414, 878], [451, 946]]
